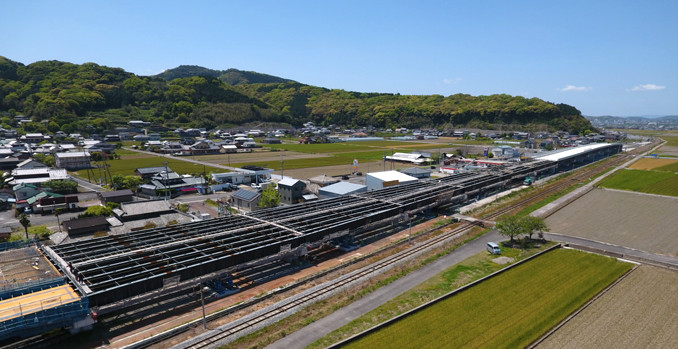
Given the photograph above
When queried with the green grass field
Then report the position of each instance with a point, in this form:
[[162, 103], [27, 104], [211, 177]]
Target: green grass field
[[671, 141], [336, 159], [129, 162], [653, 182], [344, 147], [508, 311], [668, 168]]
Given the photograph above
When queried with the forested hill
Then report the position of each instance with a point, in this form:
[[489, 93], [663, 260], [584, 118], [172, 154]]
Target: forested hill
[[229, 76], [93, 98]]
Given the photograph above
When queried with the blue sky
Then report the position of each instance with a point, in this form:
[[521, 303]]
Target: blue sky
[[603, 57]]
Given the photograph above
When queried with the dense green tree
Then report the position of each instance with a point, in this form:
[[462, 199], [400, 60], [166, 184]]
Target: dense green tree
[[62, 186], [93, 211], [25, 222], [510, 226], [270, 197], [92, 98], [45, 159]]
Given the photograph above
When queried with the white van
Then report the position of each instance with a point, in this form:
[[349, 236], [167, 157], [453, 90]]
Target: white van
[[493, 248]]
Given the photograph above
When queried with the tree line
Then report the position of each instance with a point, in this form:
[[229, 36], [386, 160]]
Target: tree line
[[60, 96]]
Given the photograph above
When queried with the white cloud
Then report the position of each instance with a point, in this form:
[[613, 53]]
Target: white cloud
[[451, 81], [575, 88], [648, 87]]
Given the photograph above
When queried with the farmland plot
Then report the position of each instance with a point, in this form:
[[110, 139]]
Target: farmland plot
[[652, 164], [639, 312], [639, 221], [508, 311]]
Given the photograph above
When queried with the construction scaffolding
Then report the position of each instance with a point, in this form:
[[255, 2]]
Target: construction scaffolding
[[113, 268]]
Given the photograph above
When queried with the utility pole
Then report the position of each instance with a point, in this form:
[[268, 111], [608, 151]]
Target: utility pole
[[202, 302], [282, 165], [392, 160], [409, 239], [166, 179]]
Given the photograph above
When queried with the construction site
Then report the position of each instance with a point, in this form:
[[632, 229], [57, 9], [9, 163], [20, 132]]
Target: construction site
[[70, 285]]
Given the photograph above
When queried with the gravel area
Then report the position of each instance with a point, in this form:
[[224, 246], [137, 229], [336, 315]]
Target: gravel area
[[641, 221], [639, 312]]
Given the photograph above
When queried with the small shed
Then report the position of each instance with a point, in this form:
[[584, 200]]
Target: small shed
[[5, 233], [246, 199], [75, 227]]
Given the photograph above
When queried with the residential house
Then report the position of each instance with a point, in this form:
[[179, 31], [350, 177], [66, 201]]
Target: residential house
[[53, 202], [118, 196], [88, 225], [24, 191], [203, 147], [291, 190], [148, 172], [171, 183], [130, 211]]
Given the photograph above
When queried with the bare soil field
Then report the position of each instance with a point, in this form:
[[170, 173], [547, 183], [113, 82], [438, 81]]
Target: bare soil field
[[639, 312], [651, 164], [668, 150], [642, 221]]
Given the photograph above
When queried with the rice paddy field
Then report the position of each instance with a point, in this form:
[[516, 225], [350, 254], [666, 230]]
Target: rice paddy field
[[641, 311], [653, 182], [510, 310]]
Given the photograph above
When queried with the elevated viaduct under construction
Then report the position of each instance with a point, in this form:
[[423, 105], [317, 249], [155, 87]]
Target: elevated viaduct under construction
[[113, 272]]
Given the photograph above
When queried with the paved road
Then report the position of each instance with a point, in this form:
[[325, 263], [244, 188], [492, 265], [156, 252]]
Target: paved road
[[87, 185], [629, 253], [324, 326]]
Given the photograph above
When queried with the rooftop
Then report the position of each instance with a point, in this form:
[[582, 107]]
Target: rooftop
[[116, 193], [245, 194], [560, 154], [342, 188], [388, 176]]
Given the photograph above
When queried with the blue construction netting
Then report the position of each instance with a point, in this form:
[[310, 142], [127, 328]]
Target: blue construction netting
[[15, 244], [45, 320], [20, 289]]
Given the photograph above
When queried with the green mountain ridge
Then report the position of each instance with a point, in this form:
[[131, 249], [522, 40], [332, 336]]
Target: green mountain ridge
[[93, 98], [230, 76]]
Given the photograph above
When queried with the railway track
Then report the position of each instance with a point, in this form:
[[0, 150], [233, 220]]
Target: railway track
[[223, 333]]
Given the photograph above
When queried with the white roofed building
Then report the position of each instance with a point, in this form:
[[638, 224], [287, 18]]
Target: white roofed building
[[380, 180], [417, 159]]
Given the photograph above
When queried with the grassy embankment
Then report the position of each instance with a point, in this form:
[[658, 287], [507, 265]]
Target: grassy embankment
[[508, 311]]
